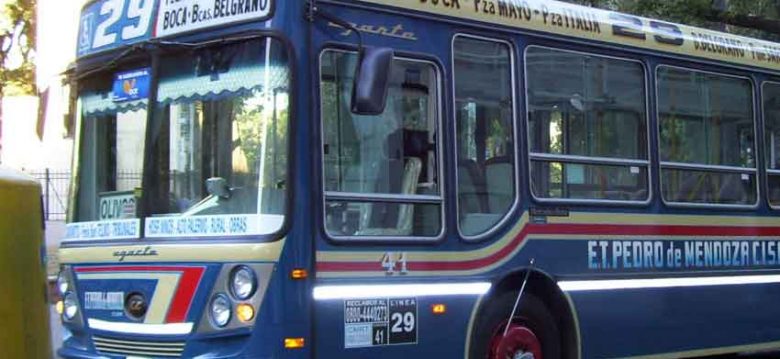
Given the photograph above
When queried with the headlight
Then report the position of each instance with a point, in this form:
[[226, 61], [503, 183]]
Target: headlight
[[70, 308], [243, 282], [62, 284], [220, 310]]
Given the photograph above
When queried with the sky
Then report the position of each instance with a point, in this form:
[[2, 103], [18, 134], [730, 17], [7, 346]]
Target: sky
[[57, 29], [56, 49]]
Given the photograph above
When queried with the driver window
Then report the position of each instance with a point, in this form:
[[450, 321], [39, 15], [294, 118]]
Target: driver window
[[381, 173]]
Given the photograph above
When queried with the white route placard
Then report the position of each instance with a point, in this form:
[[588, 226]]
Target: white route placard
[[180, 16]]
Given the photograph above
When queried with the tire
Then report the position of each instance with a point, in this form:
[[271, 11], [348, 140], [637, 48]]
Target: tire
[[531, 313]]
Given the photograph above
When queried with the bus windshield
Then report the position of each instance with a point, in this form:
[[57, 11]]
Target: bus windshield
[[216, 144], [111, 152]]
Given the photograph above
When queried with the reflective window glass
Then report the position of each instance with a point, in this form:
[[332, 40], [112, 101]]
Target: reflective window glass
[[381, 173], [587, 126], [706, 139], [485, 132], [771, 102]]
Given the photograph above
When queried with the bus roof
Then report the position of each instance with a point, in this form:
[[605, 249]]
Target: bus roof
[[588, 23]]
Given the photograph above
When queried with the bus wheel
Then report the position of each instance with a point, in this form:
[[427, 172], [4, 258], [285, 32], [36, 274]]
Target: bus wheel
[[533, 332], [519, 342]]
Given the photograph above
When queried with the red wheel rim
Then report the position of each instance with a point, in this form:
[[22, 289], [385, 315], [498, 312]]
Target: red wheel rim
[[519, 339]]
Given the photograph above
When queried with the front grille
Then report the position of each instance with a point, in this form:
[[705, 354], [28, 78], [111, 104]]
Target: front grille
[[138, 347]]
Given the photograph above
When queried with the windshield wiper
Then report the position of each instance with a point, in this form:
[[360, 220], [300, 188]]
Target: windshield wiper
[[218, 189]]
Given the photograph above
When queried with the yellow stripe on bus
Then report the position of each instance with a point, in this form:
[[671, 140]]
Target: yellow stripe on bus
[[573, 218], [415, 256], [211, 252], [663, 219]]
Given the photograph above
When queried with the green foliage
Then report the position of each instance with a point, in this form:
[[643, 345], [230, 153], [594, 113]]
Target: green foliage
[[680, 11], [713, 14], [17, 47], [261, 118], [768, 9]]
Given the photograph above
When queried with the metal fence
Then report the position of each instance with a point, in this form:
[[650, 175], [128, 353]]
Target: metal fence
[[54, 184]]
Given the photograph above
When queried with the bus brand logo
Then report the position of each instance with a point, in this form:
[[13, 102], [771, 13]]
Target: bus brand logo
[[136, 305], [396, 31], [103, 300], [146, 252]]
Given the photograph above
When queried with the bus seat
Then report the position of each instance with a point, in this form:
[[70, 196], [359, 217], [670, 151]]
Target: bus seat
[[732, 191], [638, 195], [397, 173], [498, 175], [412, 171], [389, 179], [691, 189], [472, 196], [377, 223], [774, 195]]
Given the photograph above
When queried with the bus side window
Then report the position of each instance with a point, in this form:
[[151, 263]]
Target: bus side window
[[485, 133], [771, 103], [706, 139], [381, 173], [587, 127]]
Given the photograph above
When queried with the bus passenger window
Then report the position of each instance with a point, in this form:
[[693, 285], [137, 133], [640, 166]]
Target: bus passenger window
[[771, 100], [111, 157], [381, 173], [485, 133], [706, 139], [587, 127]]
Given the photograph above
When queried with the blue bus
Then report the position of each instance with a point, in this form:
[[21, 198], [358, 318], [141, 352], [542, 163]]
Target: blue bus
[[418, 178]]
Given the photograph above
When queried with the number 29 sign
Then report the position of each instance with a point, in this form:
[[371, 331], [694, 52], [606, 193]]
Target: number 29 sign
[[111, 23], [107, 24]]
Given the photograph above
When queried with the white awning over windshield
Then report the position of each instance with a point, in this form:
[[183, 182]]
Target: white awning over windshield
[[237, 80], [93, 104]]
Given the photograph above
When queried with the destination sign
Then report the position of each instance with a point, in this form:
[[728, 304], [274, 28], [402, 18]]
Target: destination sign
[[107, 229], [108, 24], [212, 225], [606, 26], [178, 16]]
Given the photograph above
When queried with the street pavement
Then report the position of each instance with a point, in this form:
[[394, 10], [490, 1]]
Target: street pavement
[[56, 330], [56, 339]]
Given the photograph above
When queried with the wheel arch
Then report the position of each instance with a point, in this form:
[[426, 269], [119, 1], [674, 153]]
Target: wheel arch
[[543, 286]]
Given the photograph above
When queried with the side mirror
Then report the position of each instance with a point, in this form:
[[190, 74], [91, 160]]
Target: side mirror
[[217, 186], [372, 77]]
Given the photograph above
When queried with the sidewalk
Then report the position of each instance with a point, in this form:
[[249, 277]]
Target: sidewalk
[[55, 230]]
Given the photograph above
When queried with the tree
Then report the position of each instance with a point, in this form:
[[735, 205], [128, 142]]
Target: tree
[[17, 50]]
